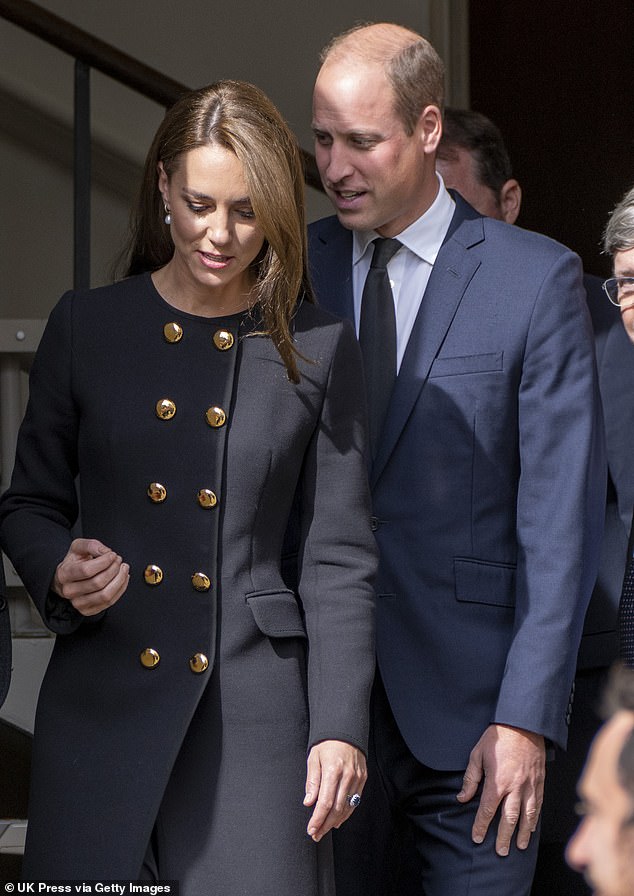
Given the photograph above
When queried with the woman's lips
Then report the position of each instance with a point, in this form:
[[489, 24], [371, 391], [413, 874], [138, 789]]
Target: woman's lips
[[211, 260]]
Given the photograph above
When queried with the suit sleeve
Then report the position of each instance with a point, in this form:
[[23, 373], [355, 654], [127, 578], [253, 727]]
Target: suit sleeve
[[5, 640], [560, 505], [39, 509], [338, 557]]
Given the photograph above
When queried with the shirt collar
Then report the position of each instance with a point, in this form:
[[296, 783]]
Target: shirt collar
[[423, 237]]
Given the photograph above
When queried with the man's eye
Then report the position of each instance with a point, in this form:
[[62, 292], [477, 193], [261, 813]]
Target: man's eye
[[626, 285], [362, 143]]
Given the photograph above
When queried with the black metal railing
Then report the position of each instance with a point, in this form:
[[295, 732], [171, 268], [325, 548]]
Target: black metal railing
[[90, 52]]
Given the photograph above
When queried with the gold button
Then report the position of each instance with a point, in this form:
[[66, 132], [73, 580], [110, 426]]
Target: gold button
[[173, 332], [165, 409], [198, 663], [216, 417], [156, 492], [201, 582], [207, 498], [223, 340], [149, 658], [153, 574]]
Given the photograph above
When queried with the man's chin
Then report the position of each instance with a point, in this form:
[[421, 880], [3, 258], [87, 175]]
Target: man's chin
[[346, 221], [352, 220]]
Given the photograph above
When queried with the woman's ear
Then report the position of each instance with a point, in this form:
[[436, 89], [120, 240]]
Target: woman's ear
[[163, 183]]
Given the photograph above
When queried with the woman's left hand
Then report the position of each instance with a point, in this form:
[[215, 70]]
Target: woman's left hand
[[336, 772]]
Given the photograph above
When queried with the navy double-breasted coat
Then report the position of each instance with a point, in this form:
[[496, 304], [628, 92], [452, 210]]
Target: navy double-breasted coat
[[182, 448]]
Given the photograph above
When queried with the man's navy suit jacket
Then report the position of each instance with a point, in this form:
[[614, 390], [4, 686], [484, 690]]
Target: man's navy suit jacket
[[488, 486]]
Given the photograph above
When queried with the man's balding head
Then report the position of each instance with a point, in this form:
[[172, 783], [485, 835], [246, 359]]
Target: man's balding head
[[412, 66]]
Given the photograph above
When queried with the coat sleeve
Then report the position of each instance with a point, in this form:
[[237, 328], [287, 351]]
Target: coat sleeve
[[560, 505], [338, 556], [5, 640], [40, 507]]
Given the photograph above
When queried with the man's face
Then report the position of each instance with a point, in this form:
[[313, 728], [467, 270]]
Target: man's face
[[624, 267], [458, 169], [603, 845], [376, 175]]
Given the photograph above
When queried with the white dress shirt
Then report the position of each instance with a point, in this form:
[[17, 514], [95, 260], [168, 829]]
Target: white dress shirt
[[409, 269]]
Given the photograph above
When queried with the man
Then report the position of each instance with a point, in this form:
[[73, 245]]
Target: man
[[603, 846], [473, 159], [487, 475], [618, 241]]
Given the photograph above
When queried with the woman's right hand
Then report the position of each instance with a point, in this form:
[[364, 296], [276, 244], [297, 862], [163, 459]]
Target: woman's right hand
[[91, 576]]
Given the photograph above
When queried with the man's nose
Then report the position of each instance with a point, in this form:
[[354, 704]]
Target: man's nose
[[339, 165], [576, 855]]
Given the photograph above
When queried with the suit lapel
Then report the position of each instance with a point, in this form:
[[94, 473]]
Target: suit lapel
[[331, 267], [450, 277]]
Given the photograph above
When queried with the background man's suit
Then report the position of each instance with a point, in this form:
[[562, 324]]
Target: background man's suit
[[615, 364], [599, 643], [488, 487]]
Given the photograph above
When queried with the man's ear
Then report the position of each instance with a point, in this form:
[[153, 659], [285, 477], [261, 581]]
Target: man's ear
[[510, 200], [430, 126]]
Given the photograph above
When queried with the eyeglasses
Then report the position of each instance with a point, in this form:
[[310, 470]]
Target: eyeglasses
[[619, 289]]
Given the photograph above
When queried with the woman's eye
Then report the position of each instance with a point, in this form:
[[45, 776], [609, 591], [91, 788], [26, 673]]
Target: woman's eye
[[197, 209]]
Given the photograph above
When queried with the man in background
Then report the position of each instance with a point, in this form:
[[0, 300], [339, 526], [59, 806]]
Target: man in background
[[603, 846], [472, 159], [618, 243]]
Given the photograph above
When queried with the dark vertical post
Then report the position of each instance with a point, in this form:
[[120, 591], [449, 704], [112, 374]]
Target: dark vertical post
[[81, 243]]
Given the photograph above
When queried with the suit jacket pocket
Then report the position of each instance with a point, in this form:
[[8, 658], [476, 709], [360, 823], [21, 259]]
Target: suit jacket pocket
[[277, 614], [484, 582], [488, 363]]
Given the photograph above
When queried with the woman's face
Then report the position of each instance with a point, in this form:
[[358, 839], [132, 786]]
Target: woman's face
[[215, 234]]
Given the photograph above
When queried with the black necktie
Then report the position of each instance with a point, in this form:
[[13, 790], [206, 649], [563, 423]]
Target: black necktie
[[377, 336], [626, 609]]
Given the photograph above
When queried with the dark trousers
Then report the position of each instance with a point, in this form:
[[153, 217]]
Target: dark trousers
[[410, 836]]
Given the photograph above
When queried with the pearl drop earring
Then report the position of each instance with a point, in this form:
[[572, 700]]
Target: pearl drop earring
[[168, 217]]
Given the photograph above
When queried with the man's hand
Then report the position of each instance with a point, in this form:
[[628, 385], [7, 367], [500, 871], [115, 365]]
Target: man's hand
[[336, 771], [91, 576], [513, 763]]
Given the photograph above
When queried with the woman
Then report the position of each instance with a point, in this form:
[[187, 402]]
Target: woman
[[196, 401]]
